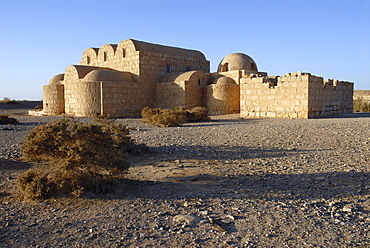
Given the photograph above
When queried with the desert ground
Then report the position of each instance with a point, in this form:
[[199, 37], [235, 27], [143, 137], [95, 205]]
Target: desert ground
[[229, 182]]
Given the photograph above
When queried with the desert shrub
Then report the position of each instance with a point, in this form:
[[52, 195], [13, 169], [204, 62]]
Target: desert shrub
[[359, 105], [38, 107], [7, 100], [163, 117], [171, 118], [197, 114], [73, 156], [4, 119]]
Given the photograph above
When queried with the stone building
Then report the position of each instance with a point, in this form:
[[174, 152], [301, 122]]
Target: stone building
[[119, 80]]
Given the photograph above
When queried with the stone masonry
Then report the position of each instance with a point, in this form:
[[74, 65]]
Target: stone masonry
[[119, 80]]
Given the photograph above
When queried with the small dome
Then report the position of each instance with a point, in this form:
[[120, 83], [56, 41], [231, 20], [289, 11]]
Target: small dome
[[56, 80], [237, 61], [224, 81], [114, 76]]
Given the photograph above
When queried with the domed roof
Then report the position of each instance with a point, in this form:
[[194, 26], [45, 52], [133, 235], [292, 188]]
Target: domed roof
[[224, 81], [114, 76], [237, 61], [56, 80]]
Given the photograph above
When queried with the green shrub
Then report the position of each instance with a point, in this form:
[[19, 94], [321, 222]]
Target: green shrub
[[4, 119], [171, 118], [74, 156], [361, 106]]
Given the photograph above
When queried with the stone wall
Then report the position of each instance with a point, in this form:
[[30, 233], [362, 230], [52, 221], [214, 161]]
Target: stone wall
[[261, 98], [122, 99], [53, 99], [222, 99], [170, 95], [82, 99], [295, 95], [329, 97]]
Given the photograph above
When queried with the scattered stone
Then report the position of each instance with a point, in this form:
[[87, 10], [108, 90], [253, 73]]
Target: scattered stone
[[188, 219]]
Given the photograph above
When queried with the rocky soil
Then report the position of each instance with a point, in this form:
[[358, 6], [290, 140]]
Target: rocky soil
[[230, 182]]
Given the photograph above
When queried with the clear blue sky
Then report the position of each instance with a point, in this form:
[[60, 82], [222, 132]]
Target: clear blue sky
[[324, 37]]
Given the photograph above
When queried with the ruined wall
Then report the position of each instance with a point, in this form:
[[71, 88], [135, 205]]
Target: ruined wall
[[53, 99], [259, 97], [294, 95], [329, 97]]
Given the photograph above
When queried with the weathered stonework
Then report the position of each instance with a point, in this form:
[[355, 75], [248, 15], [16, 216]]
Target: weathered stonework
[[119, 80]]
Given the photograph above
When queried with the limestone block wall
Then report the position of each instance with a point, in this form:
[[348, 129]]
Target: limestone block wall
[[53, 99], [170, 95], [222, 99], [122, 57], [289, 98], [329, 97], [194, 88], [90, 57], [74, 73], [122, 99], [154, 65], [82, 99], [235, 75]]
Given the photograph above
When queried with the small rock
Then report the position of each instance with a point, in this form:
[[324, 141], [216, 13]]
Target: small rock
[[347, 209], [204, 212], [230, 217], [188, 219]]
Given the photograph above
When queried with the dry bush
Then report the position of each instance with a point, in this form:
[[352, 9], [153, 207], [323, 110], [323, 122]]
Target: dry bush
[[7, 100], [38, 107], [75, 156], [197, 114], [172, 118], [4, 119], [359, 105], [163, 117]]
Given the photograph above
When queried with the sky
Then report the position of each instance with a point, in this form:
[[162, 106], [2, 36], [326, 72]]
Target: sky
[[40, 38]]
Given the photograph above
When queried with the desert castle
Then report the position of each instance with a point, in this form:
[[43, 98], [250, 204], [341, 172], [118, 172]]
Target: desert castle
[[118, 80]]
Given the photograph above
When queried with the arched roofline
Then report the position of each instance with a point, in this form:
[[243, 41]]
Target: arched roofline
[[174, 51], [83, 70], [108, 76], [179, 76], [94, 49]]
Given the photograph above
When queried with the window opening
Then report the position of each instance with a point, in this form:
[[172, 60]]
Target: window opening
[[105, 56], [199, 81], [168, 68], [123, 53], [225, 67], [88, 60]]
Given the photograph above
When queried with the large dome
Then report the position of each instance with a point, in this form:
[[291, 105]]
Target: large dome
[[237, 61]]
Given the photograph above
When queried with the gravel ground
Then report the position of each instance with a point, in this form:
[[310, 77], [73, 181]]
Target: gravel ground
[[230, 182]]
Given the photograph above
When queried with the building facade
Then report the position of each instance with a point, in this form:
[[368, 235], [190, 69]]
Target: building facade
[[119, 80]]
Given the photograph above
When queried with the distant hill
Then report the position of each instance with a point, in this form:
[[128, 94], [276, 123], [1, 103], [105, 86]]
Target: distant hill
[[365, 94]]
